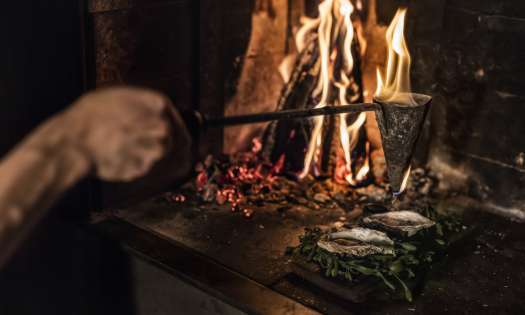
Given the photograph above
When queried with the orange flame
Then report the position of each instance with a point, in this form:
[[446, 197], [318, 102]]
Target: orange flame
[[334, 22], [395, 85], [405, 181]]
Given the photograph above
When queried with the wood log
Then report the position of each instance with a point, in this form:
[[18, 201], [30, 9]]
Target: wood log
[[259, 82], [296, 94], [374, 30], [291, 138], [331, 143], [331, 150]]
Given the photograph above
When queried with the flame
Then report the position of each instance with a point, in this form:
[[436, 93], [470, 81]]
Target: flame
[[323, 87], [333, 25], [285, 68], [395, 85], [405, 182], [363, 171], [309, 25], [361, 175]]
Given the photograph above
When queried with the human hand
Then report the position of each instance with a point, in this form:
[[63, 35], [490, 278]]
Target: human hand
[[125, 131]]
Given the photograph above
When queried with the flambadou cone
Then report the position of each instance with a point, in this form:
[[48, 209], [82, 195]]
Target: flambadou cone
[[400, 126]]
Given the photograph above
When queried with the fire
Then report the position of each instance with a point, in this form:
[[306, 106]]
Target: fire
[[336, 83], [405, 181], [335, 36], [395, 85]]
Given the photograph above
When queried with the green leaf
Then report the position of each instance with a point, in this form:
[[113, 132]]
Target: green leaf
[[386, 282], [343, 264], [410, 260], [409, 247], [336, 265], [329, 262], [396, 266], [306, 248], [365, 270], [311, 255], [408, 293], [439, 229]]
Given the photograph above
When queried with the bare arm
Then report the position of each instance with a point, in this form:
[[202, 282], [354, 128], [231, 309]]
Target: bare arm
[[117, 133]]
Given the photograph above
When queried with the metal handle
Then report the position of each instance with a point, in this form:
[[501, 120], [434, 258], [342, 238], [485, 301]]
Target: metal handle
[[289, 114]]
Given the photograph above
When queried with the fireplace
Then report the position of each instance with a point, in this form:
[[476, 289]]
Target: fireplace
[[257, 186]]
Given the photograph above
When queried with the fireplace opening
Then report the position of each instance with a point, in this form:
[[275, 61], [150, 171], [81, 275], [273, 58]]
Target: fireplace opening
[[323, 61]]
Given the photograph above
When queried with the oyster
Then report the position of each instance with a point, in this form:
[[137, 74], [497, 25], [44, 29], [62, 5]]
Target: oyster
[[364, 235], [356, 249], [406, 223], [358, 242]]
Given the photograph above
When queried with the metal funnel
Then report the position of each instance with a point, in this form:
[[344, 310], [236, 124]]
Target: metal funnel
[[400, 126]]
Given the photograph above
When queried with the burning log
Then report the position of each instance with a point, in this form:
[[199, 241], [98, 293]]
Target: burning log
[[331, 140], [258, 82], [284, 138], [294, 95], [297, 90], [354, 93]]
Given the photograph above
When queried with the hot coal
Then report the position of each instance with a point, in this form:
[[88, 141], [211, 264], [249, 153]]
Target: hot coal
[[246, 181]]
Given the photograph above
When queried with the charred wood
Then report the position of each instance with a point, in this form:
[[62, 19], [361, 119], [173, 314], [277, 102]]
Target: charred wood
[[331, 150], [295, 94], [292, 138]]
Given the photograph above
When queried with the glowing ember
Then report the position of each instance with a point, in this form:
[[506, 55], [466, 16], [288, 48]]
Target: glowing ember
[[179, 198], [248, 213], [230, 181], [175, 197], [246, 182]]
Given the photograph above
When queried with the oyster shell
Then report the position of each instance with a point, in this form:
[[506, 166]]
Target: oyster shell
[[364, 235], [406, 223], [358, 242], [354, 248]]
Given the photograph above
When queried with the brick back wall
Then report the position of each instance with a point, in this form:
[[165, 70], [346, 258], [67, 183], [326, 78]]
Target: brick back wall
[[479, 124], [150, 43], [468, 54]]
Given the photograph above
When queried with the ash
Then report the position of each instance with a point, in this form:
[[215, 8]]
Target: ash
[[244, 182]]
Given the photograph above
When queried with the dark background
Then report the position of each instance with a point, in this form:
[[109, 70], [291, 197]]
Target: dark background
[[61, 269]]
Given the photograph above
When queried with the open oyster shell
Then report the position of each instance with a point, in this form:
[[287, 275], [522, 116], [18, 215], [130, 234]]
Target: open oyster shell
[[364, 235], [405, 223], [358, 242], [354, 249]]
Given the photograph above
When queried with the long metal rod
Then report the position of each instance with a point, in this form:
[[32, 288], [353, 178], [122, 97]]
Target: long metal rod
[[289, 114]]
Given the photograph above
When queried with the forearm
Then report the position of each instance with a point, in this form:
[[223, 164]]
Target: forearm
[[118, 133], [33, 176]]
